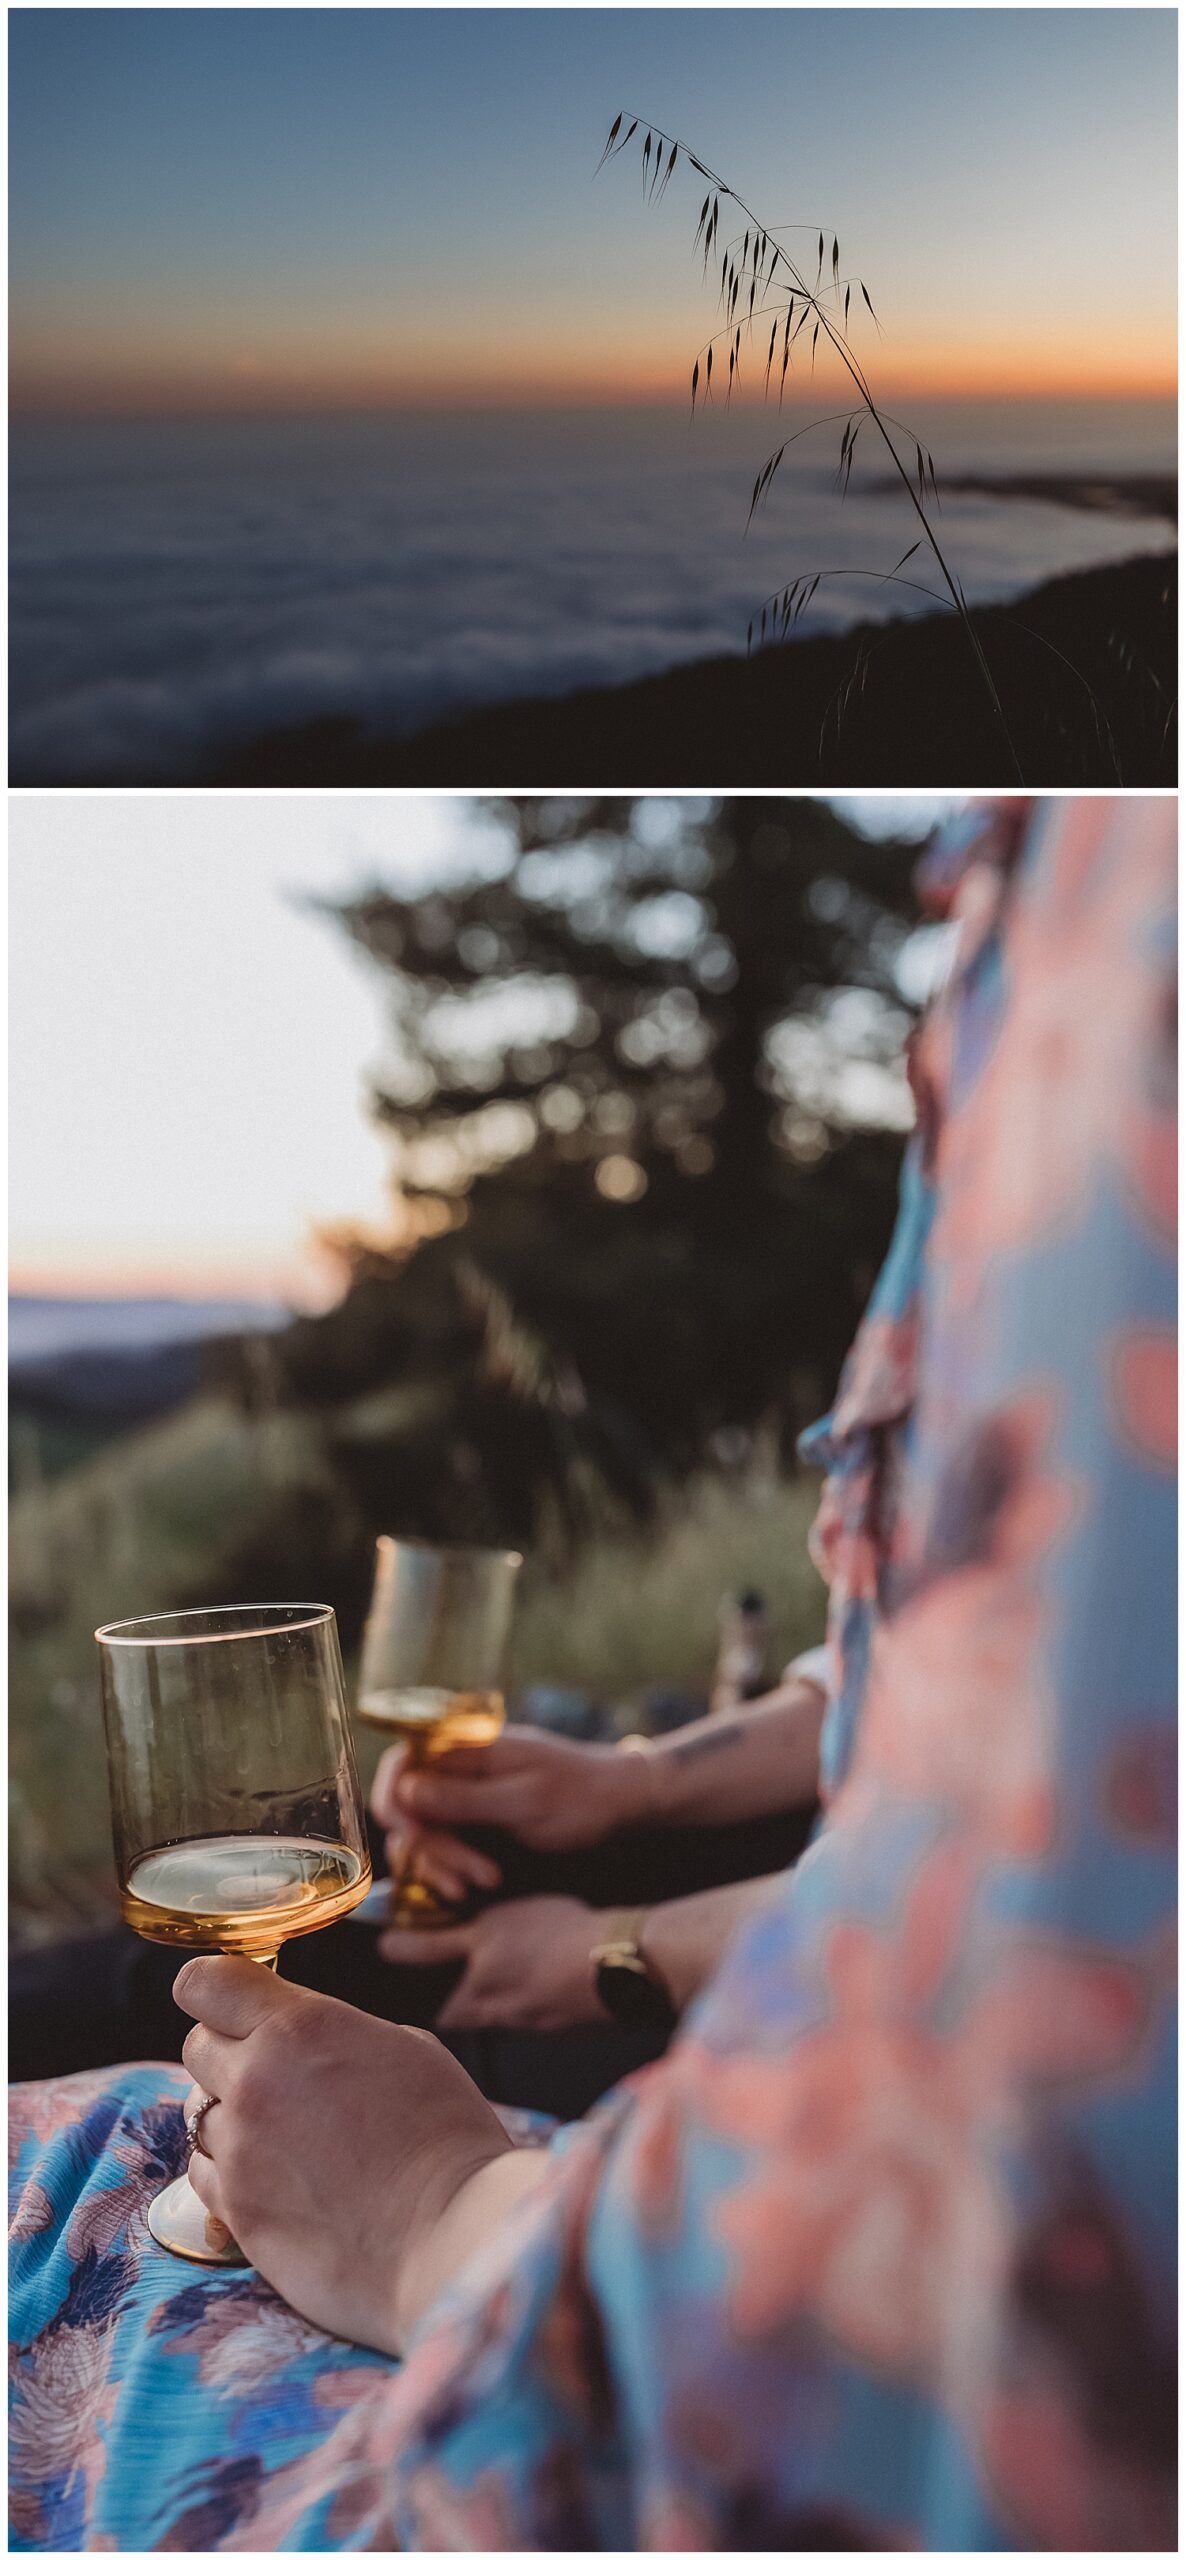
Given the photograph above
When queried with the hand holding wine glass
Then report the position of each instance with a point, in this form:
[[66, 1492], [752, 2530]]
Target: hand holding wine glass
[[338, 2147], [236, 1811]]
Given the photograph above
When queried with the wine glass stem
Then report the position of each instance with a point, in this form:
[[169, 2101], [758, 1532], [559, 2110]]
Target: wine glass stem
[[267, 1956]]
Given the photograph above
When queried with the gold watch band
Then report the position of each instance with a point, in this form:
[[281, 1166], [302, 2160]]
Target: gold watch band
[[630, 1986], [622, 1934]]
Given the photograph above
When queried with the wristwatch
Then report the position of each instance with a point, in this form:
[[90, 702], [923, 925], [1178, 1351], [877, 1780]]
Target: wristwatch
[[629, 1986]]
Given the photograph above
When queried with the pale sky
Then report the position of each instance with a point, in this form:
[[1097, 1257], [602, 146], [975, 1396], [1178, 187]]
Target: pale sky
[[190, 1053]]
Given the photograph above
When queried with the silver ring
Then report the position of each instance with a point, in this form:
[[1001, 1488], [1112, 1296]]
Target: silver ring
[[193, 2129]]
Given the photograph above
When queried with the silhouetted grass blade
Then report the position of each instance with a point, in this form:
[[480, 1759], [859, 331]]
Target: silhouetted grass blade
[[660, 156]]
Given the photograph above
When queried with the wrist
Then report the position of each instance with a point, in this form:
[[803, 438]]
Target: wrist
[[475, 2211], [420, 2262], [586, 2005], [673, 1951], [637, 1786], [687, 1940]]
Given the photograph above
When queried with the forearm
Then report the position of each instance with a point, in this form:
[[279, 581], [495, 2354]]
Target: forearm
[[727, 1768], [687, 1940], [473, 2215]]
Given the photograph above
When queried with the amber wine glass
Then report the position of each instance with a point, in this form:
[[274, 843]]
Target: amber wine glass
[[235, 1805], [432, 1669]]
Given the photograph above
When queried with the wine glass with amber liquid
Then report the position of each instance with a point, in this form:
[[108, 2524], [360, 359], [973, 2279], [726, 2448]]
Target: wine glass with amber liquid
[[431, 1674], [235, 1804]]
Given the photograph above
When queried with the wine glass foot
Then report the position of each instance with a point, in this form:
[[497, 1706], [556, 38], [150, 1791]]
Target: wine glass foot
[[179, 2222]]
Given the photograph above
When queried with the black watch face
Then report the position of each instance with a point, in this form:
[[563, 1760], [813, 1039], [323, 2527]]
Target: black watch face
[[628, 1992]]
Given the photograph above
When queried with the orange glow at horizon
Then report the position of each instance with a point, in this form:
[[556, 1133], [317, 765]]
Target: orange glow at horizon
[[309, 1280], [1137, 369], [305, 350]]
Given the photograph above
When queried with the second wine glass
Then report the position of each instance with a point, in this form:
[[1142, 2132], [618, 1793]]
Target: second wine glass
[[431, 1675]]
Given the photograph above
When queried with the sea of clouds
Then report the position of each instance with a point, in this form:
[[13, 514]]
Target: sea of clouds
[[179, 585]]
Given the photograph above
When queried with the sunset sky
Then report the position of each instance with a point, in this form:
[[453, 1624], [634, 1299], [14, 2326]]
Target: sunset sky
[[244, 208]]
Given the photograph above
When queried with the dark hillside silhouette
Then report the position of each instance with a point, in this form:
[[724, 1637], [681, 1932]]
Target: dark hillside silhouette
[[888, 705]]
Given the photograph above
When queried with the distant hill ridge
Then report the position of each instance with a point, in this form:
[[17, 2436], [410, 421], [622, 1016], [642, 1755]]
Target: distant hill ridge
[[47, 1330], [1086, 666], [84, 1369]]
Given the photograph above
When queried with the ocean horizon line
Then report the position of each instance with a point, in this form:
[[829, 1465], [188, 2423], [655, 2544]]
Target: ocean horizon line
[[658, 403]]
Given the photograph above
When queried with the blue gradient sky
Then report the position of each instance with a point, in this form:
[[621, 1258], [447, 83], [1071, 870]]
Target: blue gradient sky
[[303, 205]]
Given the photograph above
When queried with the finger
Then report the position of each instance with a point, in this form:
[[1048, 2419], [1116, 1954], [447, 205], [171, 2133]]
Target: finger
[[432, 1871], [384, 1782], [473, 1759], [231, 1994], [204, 2179], [464, 1859], [439, 1854], [426, 1946], [403, 1839], [441, 1802], [463, 2008], [400, 1826], [408, 1860], [210, 2130], [211, 2059]]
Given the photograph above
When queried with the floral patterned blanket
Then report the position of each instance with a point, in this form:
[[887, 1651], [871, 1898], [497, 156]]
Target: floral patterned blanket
[[205, 2381]]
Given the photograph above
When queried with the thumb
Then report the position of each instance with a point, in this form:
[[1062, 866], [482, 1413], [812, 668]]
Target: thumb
[[231, 1994]]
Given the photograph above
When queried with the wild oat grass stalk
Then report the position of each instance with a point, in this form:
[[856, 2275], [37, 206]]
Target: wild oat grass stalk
[[759, 280]]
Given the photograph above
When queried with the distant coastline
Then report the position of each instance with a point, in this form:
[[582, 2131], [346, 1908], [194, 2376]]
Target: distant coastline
[[916, 719], [1132, 493]]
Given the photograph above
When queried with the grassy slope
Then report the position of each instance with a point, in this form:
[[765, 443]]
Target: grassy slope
[[640, 1613], [135, 1528]]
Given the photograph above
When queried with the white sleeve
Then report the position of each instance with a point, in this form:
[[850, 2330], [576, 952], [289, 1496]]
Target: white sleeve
[[814, 1666]]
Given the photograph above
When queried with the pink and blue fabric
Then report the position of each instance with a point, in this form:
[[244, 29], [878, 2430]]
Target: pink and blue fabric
[[864, 1440], [881, 2255]]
